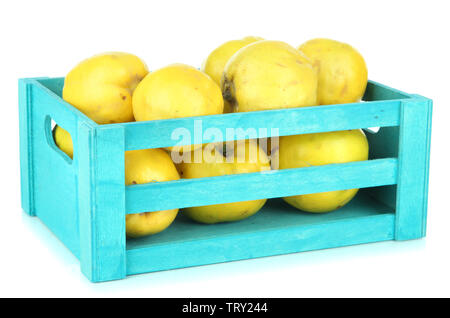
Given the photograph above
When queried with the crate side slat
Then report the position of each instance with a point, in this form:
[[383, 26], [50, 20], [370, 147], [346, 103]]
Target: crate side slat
[[253, 186], [50, 175], [165, 133], [376, 91], [241, 246]]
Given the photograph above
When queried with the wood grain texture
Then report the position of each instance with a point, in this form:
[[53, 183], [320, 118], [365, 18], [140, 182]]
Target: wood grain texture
[[50, 175], [102, 203], [26, 168], [414, 149], [381, 110], [294, 121], [277, 229], [252, 186]]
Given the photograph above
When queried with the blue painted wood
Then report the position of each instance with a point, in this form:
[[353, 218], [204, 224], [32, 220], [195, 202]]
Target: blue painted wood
[[84, 200], [50, 179], [102, 203], [61, 111], [277, 229], [259, 185], [414, 149], [26, 171], [379, 92], [294, 121], [55, 85]]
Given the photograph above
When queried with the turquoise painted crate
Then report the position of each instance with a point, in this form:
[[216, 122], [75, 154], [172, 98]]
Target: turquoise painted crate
[[84, 201]]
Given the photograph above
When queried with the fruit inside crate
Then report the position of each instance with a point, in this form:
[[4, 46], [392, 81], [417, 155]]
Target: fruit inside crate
[[87, 214]]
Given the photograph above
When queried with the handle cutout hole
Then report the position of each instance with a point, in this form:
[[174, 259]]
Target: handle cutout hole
[[372, 130], [59, 139]]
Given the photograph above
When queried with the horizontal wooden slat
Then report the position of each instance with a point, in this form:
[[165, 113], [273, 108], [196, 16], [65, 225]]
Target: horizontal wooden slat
[[238, 246], [252, 186], [158, 133]]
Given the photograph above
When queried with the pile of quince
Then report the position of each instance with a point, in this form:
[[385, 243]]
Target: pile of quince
[[250, 74]]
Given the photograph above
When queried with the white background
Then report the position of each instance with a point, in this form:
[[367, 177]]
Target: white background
[[405, 44]]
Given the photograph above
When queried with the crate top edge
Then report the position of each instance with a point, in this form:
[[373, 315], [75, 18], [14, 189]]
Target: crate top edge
[[38, 82], [253, 114]]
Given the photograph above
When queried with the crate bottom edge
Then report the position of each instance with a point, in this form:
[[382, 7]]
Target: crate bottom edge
[[369, 229]]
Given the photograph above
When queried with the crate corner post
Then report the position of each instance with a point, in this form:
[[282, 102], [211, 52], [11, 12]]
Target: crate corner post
[[414, 154], [101, 189], [26, 158]]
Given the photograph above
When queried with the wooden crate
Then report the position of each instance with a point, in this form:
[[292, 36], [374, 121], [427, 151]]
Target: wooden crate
[[84, 201]]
